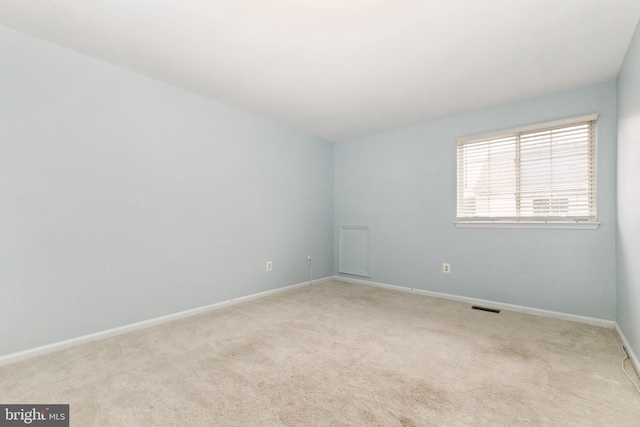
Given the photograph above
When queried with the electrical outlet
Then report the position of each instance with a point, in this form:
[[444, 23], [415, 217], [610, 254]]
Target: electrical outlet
[[269, 266], [446, 268], [309, 259]]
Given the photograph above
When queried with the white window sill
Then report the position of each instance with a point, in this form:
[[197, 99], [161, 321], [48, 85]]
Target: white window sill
[[529, 224]]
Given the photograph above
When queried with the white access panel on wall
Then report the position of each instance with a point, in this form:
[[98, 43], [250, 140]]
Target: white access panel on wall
[[355, 250]]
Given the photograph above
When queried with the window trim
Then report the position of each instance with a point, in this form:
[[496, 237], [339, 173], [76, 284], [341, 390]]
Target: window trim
[[584, 225], [525, 222]]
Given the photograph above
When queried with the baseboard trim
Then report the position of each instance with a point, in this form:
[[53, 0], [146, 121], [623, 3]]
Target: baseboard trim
[[84, 339], [511, 307], [74, 342], [627, 347]]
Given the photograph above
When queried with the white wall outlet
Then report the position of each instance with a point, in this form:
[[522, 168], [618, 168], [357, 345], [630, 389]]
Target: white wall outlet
[[309, 259], [269, 266], [446, 268]]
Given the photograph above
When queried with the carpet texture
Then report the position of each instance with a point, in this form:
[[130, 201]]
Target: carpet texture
[[339, 354]]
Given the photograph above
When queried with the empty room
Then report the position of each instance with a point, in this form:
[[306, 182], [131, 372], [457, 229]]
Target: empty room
[[320, 213]]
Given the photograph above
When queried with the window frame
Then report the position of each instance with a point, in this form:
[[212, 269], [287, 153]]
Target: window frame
[[529, 222]]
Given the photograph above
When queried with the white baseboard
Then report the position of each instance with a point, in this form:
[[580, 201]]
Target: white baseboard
[[492, 304], [74, 342], [627, 347]]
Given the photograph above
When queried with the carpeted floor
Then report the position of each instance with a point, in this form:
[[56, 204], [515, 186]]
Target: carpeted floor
[[339, 354]]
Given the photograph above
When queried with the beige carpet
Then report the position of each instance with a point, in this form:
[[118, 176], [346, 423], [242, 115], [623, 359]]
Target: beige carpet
[[339, 354]]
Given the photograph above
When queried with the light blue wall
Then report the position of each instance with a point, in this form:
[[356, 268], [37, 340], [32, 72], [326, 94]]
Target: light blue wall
[[123, 199], [628, 251], [403, 184]]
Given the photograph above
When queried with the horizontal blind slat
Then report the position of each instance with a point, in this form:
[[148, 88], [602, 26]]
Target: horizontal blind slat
[[542, 173]]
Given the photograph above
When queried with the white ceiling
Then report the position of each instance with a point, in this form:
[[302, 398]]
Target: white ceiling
[[342, 69]]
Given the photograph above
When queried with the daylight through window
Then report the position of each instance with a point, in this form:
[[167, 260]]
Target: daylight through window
[[543, 173]]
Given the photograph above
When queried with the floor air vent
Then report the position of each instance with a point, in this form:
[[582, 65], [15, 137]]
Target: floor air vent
[[490, 310]]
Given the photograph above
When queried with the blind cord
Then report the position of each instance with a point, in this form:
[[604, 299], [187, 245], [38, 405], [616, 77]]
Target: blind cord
[[310, 272]]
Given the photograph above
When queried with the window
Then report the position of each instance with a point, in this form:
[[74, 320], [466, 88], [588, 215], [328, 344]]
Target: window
[[540, 175]]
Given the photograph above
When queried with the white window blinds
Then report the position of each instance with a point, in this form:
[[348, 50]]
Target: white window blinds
[[539, 173]]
